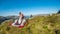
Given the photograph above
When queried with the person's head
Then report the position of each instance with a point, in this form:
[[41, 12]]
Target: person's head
[[19, 12]]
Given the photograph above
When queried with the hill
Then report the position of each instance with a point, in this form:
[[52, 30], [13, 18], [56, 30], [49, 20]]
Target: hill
[[2, 18], [36, 25]]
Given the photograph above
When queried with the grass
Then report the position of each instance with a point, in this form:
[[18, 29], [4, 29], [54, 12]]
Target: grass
[[37, 25]]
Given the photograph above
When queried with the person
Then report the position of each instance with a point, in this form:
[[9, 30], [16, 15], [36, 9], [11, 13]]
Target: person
[[19, 22], [21, 18]]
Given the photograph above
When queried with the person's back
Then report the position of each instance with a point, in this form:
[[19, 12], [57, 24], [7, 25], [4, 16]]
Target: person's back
[[21, 21], [21, 17]]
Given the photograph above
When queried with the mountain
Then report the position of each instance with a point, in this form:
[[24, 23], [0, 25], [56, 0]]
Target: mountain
[[7, 18], [2, 19]]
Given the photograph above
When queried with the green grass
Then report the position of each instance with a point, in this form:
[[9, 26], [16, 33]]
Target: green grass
[[37, 25]]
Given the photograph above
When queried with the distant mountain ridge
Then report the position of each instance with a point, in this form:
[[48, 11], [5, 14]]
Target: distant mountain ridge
[[16, 17], [2, 19], [7, 18]]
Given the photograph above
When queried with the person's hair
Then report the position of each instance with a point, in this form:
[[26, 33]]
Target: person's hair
[[19, 12]]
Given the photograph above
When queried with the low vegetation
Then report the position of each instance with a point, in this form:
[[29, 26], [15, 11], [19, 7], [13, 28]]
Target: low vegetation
[[37, 25]]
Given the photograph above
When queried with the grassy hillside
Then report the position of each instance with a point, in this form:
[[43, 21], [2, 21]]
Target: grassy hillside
[[37, 25]]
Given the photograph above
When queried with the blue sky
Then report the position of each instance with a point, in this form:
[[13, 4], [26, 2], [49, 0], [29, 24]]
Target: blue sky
[[28, 7]]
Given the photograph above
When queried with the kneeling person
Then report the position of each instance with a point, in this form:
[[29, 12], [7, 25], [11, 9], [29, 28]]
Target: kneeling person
[[19, 22]]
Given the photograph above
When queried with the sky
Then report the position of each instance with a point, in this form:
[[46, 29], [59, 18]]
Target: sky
[[28, 7]]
